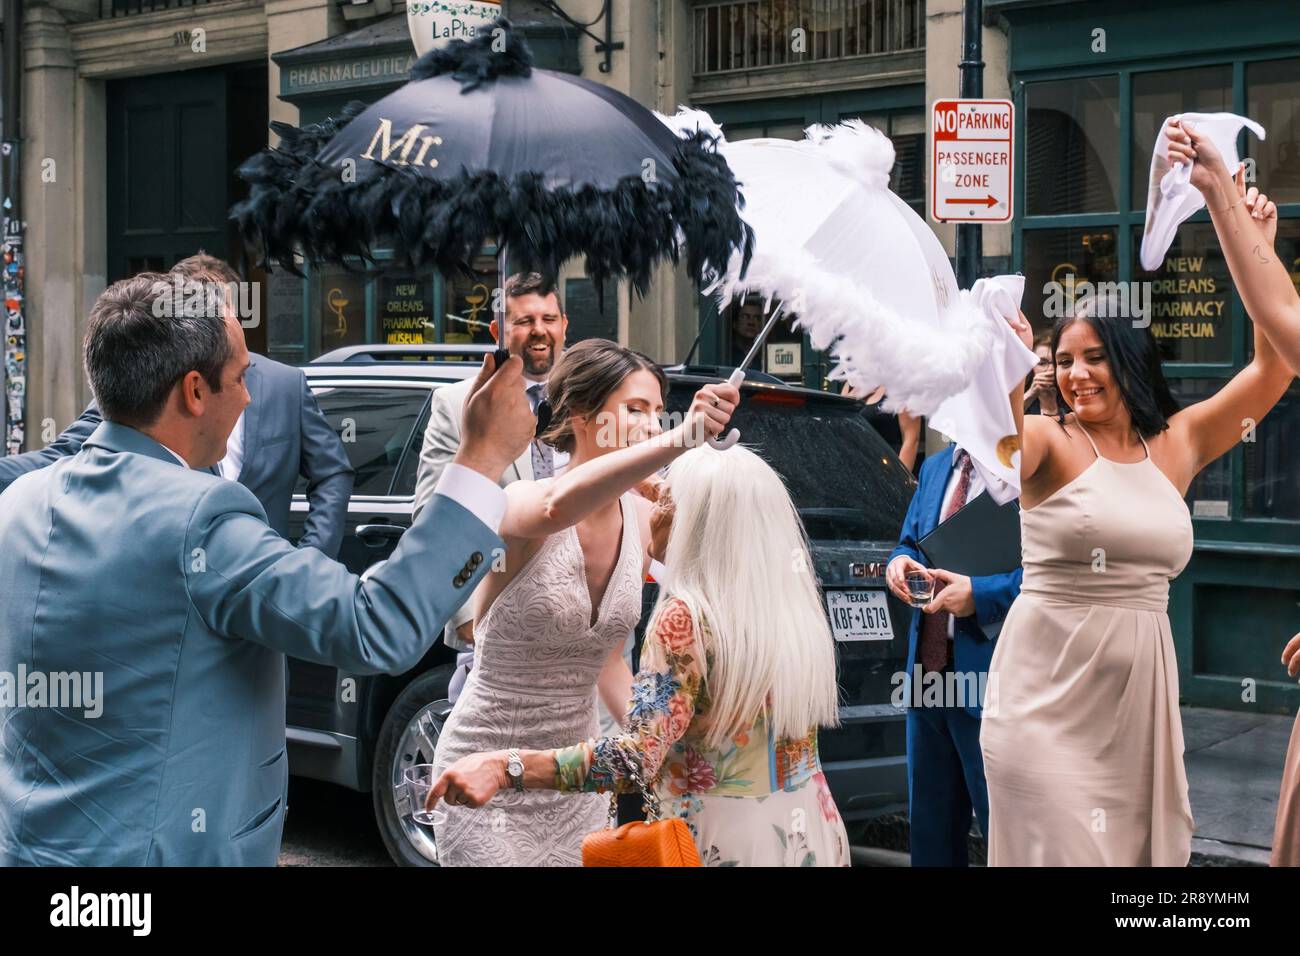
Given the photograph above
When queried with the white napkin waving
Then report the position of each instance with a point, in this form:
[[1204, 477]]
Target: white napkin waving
[[979, 418], [1172, 198]]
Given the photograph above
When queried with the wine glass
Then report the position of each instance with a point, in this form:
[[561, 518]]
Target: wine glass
[[419, 781]]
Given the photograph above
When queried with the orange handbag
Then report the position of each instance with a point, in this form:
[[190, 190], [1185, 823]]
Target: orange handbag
[[649, 842], [641, 843]]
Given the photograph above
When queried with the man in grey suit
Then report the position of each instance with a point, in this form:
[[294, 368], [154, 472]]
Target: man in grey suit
[[129, 565], [535, 327], [281, 436]]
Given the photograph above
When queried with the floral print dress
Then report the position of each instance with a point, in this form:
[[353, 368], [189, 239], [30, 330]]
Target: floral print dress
[[758, 801]]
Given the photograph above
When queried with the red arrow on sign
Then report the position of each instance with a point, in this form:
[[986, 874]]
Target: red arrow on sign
[[989, 201]]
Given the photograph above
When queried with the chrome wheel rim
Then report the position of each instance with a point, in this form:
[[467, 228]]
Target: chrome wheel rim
[[418, 744]]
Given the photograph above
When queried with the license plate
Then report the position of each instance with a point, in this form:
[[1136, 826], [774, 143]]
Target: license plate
[[859, 615]]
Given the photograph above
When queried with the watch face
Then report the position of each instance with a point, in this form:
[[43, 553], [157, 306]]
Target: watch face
[[515, 767]]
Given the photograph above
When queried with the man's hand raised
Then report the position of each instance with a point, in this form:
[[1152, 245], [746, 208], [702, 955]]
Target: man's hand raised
[[498, 422]]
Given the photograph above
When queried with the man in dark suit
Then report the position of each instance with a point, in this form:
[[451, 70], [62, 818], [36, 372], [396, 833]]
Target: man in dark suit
[[949, 647], [281, 435]]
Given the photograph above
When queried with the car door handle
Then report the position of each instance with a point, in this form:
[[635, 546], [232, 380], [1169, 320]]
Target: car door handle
[[378, 532]]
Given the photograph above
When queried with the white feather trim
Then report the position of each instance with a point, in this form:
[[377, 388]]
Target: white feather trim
[[872, 344], [860, 152]]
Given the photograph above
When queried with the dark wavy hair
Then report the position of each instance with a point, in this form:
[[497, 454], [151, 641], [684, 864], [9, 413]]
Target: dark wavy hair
[[584, 377], [1134, 360]]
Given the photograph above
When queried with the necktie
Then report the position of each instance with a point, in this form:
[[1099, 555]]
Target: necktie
[[542, 453], [935, 646]]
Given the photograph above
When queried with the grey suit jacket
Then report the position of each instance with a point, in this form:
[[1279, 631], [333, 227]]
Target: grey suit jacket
[[168, 583], [285, 435]]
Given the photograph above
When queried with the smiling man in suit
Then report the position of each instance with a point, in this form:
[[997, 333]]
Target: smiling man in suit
[[535, 328], [133, 562], [280, 436]]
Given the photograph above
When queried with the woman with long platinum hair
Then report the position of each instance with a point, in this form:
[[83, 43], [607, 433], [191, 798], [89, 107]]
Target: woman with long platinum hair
[[737, 675]]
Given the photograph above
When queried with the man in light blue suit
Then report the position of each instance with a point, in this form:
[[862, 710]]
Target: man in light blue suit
[[130, 564], [949, 647]]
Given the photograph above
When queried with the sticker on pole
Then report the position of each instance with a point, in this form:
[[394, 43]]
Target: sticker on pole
[[970, 174]]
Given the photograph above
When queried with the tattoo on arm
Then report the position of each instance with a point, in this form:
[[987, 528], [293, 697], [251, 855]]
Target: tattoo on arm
[[1259, 255]]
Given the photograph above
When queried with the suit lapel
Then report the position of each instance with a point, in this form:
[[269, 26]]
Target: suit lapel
[[254, 382], [934, 493]]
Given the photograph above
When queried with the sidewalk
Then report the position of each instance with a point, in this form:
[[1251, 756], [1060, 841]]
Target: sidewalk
[[1234, 768]]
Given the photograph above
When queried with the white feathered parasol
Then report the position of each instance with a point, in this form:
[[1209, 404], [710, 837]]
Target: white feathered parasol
[[852, 263]]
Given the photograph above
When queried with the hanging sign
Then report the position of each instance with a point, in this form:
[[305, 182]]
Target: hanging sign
[[435, 23]]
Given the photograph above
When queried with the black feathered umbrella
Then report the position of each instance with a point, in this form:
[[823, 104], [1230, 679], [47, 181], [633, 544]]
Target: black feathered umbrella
[[481, 145]]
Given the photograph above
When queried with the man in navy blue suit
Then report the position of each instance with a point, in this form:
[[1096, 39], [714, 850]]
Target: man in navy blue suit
[[949, 646]]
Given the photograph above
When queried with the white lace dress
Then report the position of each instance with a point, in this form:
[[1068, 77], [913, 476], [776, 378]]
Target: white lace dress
[[533, 686]]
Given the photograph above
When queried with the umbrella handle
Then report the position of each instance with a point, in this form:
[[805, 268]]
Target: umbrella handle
[[733, 436]]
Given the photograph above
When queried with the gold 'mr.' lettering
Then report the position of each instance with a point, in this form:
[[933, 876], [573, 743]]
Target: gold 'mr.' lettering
[[384, 133]]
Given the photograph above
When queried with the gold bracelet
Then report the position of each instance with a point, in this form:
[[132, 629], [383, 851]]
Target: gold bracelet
[[1240, 200]]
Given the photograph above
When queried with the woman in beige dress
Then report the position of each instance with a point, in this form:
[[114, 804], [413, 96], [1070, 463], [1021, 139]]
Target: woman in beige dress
[[1082, 737], [1286, 831]]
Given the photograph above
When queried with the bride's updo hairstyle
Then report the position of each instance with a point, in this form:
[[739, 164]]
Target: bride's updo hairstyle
[[582, 381]]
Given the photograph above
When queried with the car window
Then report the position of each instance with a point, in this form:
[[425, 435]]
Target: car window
[[404, 483], [376, 424], [845, 480]]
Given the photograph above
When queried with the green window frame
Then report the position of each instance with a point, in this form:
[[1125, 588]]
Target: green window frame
[[1126, 220]]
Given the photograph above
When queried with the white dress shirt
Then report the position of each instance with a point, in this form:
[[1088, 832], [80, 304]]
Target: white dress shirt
[[481, 497], [233, 463], [976, 489]]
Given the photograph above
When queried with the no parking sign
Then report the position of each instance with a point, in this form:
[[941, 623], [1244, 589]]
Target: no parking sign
[[972, 160]]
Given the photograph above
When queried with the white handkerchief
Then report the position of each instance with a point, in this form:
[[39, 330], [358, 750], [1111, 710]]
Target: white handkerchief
[[979, 417], [1172, 198]]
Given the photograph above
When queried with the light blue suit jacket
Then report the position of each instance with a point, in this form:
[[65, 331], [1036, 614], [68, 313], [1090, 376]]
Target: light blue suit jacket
[[169, 583]]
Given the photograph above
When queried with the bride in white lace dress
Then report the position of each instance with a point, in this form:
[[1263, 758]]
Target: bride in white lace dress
[[552, 623]]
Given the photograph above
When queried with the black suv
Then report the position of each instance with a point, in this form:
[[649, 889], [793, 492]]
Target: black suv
[[850, 489]]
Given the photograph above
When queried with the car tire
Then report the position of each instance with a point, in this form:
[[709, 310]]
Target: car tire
[[410, 728]]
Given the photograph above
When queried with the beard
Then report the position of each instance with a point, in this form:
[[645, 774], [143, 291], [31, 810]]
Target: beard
[[538, 365]]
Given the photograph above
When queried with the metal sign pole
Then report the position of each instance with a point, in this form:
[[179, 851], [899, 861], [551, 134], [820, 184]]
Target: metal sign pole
[[970, 235]]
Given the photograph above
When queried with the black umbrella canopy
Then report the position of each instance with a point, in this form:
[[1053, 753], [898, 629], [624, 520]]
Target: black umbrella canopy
[[480, 145]]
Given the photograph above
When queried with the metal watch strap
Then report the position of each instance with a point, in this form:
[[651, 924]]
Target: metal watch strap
[[514, 760]]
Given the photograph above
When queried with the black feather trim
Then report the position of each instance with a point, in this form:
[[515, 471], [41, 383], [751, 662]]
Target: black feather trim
[[475, 62], [300, 206]]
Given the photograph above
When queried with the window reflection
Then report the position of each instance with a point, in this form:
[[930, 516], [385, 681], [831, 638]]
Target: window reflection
[[1157, 96], [1273, 99], [1272, 484], [1210, 494], [1058, 262], [1072, 146]]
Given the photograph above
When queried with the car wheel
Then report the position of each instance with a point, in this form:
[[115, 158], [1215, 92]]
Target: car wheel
[[409, 736]]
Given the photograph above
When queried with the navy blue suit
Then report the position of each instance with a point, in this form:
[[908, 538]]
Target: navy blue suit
[[945, 768]]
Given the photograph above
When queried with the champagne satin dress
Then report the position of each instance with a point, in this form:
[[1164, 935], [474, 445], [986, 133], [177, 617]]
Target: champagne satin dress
[[1286, 832], [1082, 736]]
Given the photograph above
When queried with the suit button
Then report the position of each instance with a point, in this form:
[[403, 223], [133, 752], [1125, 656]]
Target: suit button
[[476, 558], [459, 580]]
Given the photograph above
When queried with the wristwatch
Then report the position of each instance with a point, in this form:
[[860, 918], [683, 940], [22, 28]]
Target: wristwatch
[[515, 770]]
